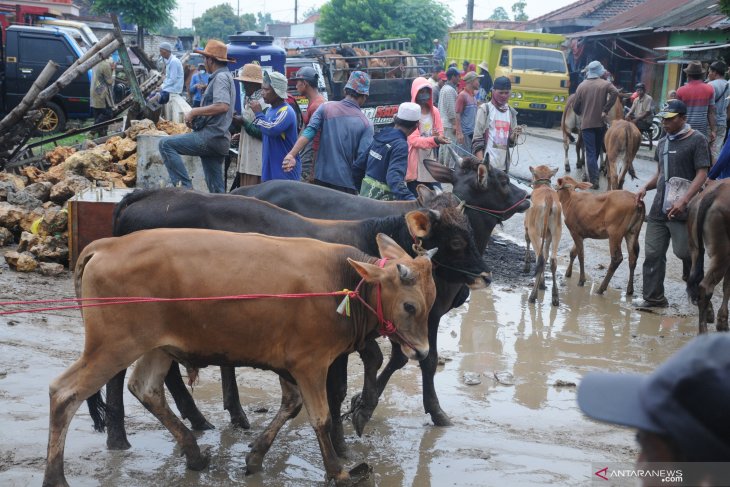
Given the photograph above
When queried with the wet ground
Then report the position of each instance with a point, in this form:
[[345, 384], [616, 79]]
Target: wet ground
[[503, 362]]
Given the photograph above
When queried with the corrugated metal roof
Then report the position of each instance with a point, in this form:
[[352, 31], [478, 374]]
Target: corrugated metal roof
[[668, 15], [588, 9]]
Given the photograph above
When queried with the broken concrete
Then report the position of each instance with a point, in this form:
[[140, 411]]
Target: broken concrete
[[21, 262]]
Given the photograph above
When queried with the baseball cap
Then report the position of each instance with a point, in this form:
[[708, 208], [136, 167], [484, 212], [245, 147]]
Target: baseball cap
[[307, 73], [359, 82], [685, 399], [470, 76], [672, 108], [409, 111], [502, 83]]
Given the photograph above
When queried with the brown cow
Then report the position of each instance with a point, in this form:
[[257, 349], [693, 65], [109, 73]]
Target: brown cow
[[622, 143], [612, 215], [708, 226], [543, 227], [299, 338], [394, 64]]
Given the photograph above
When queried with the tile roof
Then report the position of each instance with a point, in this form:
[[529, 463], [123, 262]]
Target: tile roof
[[588, 9], [668, 15]]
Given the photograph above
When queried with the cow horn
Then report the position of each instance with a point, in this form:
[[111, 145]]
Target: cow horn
[[430, 253], [455, 156], [461, 206], [435, 214], [406, 274]]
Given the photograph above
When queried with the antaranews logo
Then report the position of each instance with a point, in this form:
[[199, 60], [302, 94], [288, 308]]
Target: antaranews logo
[[602, 473], [627, 474]]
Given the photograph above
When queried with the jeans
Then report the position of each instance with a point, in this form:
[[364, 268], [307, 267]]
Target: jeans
[[656, 244], [593, 141], [192, 144]]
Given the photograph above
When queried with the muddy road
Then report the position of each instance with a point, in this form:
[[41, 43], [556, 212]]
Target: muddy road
[[505, 363]]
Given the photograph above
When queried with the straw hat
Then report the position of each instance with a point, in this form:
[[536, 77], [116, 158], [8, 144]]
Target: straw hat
[[484, 66], [251, 73], [216, 50]]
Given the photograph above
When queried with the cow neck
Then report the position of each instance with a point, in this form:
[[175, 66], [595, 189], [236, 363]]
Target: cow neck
[[540, 182]]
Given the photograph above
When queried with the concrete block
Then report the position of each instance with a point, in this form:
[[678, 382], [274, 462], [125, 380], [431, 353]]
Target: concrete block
[[151, 171]]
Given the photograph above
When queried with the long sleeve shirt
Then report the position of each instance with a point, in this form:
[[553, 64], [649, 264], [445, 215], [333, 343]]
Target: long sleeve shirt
[[174, 76], [198, 78], [386, 162], [279, 130]]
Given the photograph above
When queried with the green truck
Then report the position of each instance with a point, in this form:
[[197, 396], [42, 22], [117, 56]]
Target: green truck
[[532, 61]]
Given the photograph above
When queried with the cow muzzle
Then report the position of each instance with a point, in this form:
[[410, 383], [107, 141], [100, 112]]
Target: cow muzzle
[[419, 353], [483, 280]]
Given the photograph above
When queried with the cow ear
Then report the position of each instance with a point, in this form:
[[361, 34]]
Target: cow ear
[[440, 173], [419, 223], [425, 194], [482, 176], [369, 272], [532, 170], [388, 248], [584, 185], [553, 172]]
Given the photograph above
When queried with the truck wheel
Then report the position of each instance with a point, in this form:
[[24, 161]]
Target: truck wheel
[[53, 119]]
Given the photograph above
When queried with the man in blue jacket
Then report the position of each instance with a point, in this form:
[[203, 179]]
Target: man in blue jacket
[[278, 128], [380, 173]]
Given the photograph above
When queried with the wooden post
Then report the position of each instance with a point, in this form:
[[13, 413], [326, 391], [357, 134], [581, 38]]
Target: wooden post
[[39, 84], [127, 64]]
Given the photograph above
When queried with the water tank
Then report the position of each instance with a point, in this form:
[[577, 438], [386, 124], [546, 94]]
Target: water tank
[[252, 47]]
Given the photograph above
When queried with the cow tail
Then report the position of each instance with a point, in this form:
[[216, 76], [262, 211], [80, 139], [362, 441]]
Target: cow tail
[[629, 162], [547, 209], [698, 269], [96, 404]]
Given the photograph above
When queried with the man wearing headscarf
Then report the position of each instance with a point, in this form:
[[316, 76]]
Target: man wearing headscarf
[[496, 129], [278, 128]]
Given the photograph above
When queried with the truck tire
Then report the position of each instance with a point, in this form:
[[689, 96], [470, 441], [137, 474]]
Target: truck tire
[[53, 119]]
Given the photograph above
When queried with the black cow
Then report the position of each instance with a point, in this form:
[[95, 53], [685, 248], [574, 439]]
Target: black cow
[[443, 226], [490, 198]]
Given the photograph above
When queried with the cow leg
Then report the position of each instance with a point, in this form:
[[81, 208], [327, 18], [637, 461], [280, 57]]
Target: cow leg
[[714, 274], [364, 404], [722, 313], [291, 404], [312, 386], [566, 149], [579, 247], [67, 391], [184, 401], [146, 385], [539, 272], [632, 245], [554, 270], [616, 259], [396, 361], [580, 151], [116, 435], [336, 392], [231, 400], [573, 254], [526, 269], [428, 372]]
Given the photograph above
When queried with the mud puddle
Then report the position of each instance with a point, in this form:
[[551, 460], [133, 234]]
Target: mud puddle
[[502, 360]]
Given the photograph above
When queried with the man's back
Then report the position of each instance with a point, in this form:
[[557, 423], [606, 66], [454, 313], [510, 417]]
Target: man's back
[[447, 105], [591, 98], [698, 96]]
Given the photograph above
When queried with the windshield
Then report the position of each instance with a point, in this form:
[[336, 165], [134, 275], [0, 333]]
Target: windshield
[[538, 60]]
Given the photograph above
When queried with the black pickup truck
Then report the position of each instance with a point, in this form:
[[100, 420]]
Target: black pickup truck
[[26, 52]]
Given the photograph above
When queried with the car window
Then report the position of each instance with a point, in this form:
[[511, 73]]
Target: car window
[[504, 58], [40, 50]]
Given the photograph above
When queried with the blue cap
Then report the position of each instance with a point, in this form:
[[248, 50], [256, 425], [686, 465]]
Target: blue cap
[[359, 82], [686, 399]]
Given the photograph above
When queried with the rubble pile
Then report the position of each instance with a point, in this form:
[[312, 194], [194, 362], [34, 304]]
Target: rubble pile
[[32, 204]]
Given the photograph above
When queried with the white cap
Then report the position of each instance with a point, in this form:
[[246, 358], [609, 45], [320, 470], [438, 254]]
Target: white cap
[[409, 111]]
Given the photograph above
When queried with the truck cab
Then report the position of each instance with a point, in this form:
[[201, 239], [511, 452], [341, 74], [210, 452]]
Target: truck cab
[[26, 52]]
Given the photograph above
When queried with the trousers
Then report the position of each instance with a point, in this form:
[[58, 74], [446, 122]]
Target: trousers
[[192, 144]]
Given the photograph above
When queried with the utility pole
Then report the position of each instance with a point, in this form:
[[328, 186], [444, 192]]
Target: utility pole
[[470, 15], [296, 6]]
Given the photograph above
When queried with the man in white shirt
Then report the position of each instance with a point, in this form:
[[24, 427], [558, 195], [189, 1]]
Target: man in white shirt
[[496, 129]]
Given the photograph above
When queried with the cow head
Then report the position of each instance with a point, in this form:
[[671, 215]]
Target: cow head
[[482, 186], [407, 294], [444, 225], [570, 184], [542, 174]]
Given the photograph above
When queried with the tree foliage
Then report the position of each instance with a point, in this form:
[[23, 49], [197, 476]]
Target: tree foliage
[[725, 7], [168, 28], [366, 20], [147, 14], [217, 23], [518, 10], [499, 14]]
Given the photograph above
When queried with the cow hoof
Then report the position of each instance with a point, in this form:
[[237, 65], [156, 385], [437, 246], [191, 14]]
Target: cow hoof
[[567, 168], [542, 287], [200, 461], [630, 291], [201, 424], [710, 313], [254, 462], [600, 291], [361, 417], [582, 283], [556, 302], [441, 419], [531, 299], [240, 422], [360, 473], [118, 444]]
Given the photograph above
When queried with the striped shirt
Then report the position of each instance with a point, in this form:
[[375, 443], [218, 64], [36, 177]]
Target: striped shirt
[[279, 130], [698, 96], [447, 105]]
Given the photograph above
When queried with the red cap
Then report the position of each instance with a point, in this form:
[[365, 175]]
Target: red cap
[[442, 75]]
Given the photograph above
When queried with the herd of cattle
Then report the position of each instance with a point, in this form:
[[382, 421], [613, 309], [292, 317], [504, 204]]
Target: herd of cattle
[[196, 294]]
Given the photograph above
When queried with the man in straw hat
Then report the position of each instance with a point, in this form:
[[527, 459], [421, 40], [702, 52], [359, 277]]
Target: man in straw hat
[[346, 135], [700, 100], [679, 412], [250, 144], [278, 127], [210, 138], [593, 99]]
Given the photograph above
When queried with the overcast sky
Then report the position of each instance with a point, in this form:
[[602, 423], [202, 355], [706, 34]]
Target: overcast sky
[[284, 9]]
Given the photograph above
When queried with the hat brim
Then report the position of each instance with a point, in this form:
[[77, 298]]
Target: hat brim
[[223, 60], [668, 114], [250, 80], [616, 398]]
